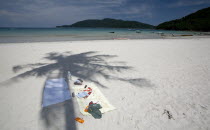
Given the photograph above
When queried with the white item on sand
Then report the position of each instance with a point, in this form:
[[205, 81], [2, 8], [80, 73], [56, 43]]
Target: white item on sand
[[82, 94], [78, 82], [69, 75]]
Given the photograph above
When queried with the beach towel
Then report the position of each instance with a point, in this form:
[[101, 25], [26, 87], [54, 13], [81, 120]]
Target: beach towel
[[95, 96], [56, 90]]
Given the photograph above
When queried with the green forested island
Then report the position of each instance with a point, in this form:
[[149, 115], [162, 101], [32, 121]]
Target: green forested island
[[110, 23], [198, 21]]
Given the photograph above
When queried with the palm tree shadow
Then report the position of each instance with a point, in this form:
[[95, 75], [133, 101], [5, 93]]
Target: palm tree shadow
[[87, 66]]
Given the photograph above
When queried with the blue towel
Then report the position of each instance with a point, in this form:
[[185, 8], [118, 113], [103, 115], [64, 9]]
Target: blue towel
[[55, 91]]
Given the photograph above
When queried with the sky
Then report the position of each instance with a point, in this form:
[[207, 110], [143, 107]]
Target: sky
[[50, 13]]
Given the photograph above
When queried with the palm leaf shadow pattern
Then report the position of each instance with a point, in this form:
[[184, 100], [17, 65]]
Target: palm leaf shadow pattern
[[87, 66]]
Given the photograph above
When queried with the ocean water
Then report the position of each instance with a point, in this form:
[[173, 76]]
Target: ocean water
[[17, 35]]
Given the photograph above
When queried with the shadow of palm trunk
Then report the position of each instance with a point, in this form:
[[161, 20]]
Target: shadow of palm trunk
[[59, 116]]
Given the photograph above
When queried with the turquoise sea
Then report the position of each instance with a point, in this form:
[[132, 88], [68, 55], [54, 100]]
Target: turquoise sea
[[17, 35]]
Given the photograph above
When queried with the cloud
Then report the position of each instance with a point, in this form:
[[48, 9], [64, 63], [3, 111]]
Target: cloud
[[131, 12], [55, 12], [8, 13], [188, 3]]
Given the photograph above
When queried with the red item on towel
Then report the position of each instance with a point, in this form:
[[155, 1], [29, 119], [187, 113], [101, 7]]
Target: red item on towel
[[89, 90], [90, 102]]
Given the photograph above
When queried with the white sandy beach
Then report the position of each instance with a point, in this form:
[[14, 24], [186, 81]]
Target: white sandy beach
[[154, 84]]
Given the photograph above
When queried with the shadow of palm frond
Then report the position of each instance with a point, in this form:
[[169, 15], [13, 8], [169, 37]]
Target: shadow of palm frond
[[87, 66]]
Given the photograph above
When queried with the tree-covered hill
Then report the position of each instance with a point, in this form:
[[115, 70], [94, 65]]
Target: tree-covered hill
[[198, 21], [110, 23]]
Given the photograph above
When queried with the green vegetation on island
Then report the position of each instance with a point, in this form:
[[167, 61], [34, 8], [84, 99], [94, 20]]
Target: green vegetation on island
[[198, 21], [110, 23]]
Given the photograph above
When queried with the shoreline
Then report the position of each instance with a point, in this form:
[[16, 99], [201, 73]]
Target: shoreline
[[115, 39], [80, 34]]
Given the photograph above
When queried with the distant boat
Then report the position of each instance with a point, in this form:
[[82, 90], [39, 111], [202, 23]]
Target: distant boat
[[121, 38], [160, 33], [132, 29], [138, 31]]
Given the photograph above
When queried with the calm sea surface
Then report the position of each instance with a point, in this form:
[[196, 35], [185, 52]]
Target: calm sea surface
[[17, 35]]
